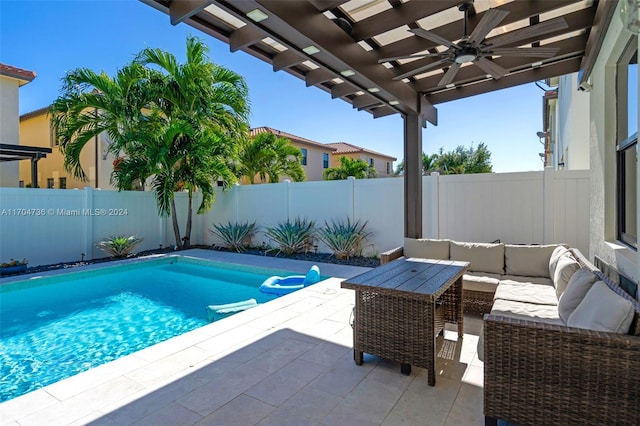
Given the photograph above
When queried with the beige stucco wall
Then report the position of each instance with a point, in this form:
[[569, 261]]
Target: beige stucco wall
[[9, 128], [602, 128], [35, 131], [314, 168]]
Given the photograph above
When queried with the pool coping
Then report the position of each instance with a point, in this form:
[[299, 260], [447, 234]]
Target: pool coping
[[232, 331]]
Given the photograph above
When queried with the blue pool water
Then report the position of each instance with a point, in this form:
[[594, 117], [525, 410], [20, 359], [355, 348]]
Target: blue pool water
[[52, 328]]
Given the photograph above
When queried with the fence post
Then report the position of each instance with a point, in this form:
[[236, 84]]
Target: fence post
[[433, 206], [87, 222], [352, 181], [548, 192]]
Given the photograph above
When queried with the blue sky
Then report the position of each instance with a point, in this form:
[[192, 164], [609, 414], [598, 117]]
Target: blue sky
[[54, 36]]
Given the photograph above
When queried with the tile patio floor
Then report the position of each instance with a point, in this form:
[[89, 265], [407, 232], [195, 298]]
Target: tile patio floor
[[287, 362]]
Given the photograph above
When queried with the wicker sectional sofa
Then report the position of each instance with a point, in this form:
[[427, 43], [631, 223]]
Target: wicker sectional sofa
[[490, 265], [562, 349]]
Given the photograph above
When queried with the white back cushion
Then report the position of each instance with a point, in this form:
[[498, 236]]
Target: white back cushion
[[426, 249], [528, 261], [603, 310], [577, 288], [565, 269]]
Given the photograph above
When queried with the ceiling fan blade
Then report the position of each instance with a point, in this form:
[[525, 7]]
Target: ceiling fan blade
[[420, 32], [489, 21], [395, 58], [450, 74], [528, 52], [421, 69], [492, 68], [544, 27]]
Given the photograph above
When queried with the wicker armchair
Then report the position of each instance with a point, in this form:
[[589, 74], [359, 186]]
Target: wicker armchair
[[537, 373]]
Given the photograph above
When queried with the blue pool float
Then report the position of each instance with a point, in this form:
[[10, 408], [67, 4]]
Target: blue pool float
[[217, 312], [279, 286]]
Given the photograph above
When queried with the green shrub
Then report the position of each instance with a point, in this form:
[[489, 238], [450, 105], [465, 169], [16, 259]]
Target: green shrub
[[119, 246], [293, 237], [235, 236], [344, 238]]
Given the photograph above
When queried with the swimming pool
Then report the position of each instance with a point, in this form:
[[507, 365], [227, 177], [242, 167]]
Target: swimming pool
[[55, 327]]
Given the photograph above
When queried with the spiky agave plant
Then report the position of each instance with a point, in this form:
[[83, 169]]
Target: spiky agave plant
[[344, 238], [293, 237], [235, 236], [120, 245]]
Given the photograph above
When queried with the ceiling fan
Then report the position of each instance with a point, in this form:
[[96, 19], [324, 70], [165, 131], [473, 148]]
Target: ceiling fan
[[473, 48]]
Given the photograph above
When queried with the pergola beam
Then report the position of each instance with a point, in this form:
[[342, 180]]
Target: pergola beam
[[180, 11], [243, 37]]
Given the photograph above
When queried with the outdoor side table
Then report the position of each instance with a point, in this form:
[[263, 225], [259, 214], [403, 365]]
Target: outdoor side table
[[402, 306]]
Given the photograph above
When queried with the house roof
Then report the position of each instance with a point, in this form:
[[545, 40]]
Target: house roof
[[22, 75], [347, 148], [292, 137], [34, 113], [352, 48]]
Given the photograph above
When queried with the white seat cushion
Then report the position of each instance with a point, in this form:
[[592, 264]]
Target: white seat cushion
[[528, 260], [547, 314], [525, 279], [603, 310], [542, 294], [480, 281], [577, 288]]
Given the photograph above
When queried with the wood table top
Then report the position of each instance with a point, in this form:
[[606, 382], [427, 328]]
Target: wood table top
[[413, 277]]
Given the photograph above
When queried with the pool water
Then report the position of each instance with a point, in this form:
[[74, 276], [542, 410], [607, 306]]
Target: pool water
[[55, 327]]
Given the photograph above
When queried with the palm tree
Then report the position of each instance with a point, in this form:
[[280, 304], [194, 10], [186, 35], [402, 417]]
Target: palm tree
[[91, 103], [269, 157], [176, 124], [350, 167]]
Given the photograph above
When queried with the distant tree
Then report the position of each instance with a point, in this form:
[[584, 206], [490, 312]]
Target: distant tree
[[350, 167], [428, 165], [464, 160], [269, 157], [459, 161]]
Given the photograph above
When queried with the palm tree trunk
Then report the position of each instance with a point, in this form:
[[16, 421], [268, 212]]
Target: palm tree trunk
[[187, 236], [174, 220]]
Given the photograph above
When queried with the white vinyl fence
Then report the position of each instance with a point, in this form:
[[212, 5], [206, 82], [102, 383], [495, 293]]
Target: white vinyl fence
[[48, 225]]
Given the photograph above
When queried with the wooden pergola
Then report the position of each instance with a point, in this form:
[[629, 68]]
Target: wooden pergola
[[406, 56], [9, 152]]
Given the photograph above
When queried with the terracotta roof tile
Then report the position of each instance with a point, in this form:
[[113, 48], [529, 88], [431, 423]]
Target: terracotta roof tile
[[293, 138], [347, 148], [18, 73]]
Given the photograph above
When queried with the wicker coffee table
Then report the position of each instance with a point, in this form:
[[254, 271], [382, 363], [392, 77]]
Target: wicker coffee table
[[402, 306]]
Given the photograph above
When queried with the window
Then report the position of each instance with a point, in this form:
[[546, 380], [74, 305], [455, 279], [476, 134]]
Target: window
[[52, 135], [20, 184], [49, 182], [304, 156], [62, 183], [371, 161], [627, 146], [388, 168], [325, 161]]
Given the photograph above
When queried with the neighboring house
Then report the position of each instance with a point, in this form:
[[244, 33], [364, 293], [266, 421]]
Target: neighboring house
[[566, 112], [383, 163], [603, 109], [36, 130], [11, 79], [316, 157]]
